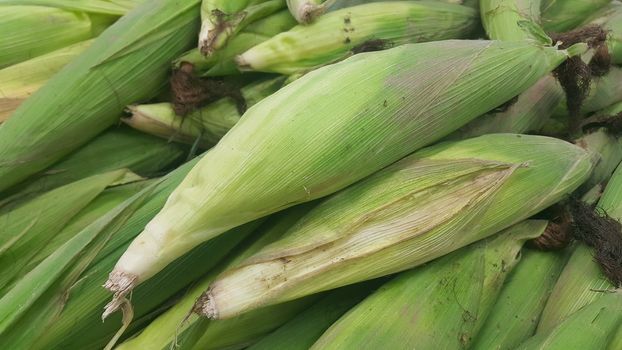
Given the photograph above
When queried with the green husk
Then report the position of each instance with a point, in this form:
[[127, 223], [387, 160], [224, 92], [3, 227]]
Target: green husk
[[388, 104], [563, 15], [116, 148], [529, 113], [610, 18], [21, 80], [101, 7], [222, 61], [581, 280], [208, 124], [30, 31], [79, 325], [441, 305], [506, 19], [515, 315], [338, 34], [384, 224], [129, 62], [176, 326], [222, 19], [29, 228], [590, 328], [607, 149]]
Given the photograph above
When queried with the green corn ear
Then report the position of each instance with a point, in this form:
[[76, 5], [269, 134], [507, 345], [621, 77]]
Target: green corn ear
[[306, 11], [438, 306], [607, 149], [515, 315], [505, 19], [392, 110], [563, 15], [383, 224], [337, 34], [208, 124], [127, 63]]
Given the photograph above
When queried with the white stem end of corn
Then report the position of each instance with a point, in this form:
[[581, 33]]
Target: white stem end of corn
[[120, 283], [205, 306]]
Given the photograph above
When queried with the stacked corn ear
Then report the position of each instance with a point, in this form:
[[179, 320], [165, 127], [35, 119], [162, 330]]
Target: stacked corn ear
[[505, 19], [441, 305], [340, 4], [388, 106], [179, 328], [582, 281], [208, 124], [607, 150], [129, 62], [304, 330], [592, 327], [222, 19], [385, 224], [338, 34], [116, 148], [19, 81], [31, 227], [64, 291], [222, 62], [610, 18], [515, 315], [564, 15]]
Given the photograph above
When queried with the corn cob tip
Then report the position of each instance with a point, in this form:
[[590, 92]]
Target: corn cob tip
[[205, 306], [242, 63], [120, 283], [207, 35]]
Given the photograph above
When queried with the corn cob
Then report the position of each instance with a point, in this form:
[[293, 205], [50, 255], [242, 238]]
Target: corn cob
[[175, 326], [563, 15], [337, 34], [127, 63], [303, 331], [438, 306], [305, 11], [478, 183], [581, 278], [30, 227], [590, 328], [530, 112], [610, 18], [208, 124], [76, 323], [19, 81], [392, 109], [515, 315], [30, 31], [116, 148], [222, 19], [222, 61], [504, 19]]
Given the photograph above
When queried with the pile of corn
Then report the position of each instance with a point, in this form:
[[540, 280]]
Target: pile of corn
[[310, 174]]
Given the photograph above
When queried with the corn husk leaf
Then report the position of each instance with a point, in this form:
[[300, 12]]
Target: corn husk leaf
[[388, 103], [338, 34], [382, 225], [607, 149], [438, 306], [129, 62], [503, 19], [104, 7], [610, 18], [563, 15]]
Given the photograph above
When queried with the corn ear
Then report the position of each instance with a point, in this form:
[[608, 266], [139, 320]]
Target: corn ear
[[563, 15], [21, 80], [391, 111], [222, 19], [208, 124], [607, 149], [382, 225], [176, 326], [610, 18], [222, 61], [117, 148], [337, 34], [590, 328], [127, 63], [99, 7], [515, 315], [305, 329], [581, 280], [506, 19], [438, 306], [27, 229]]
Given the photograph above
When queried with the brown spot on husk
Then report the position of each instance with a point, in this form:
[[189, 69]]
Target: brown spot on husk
[[372, 45], [601, 232], [574, 75], [191, 92]]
